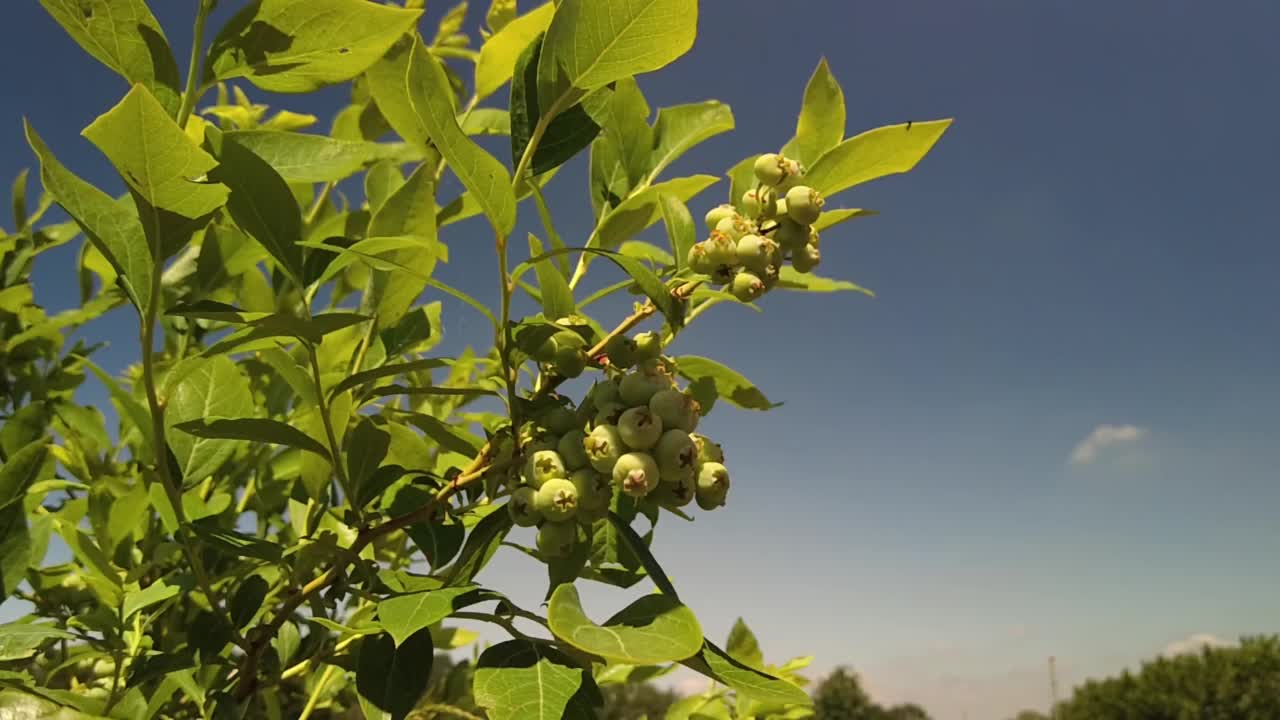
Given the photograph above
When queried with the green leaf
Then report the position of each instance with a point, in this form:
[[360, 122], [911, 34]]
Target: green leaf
[[155, 157], [821, 123], [19, 640], [303, 158], [366, 449], [124, 36], [448, 437], [412, 91], [743, 646], [216, 387], [644, 209], [637, 545], [874, 154], [726, 383], [22, 469], [641, 250], [590, 44], [681, 127], [626, 125], [253, 429], [523, 680], [138, 600], [835, 216], [261, 202], [235, 543], [296, 46], [557, 296], [112, 228], [393, 676], [404, 615], [653, 629], [499, 53], [486, 121], [311, 329], [747, 681], [481, 544], [248, 600], [15, 548], [569, 132], [790, 279], [368, 376], [742, 177], [126, 404], [650, 284], [681, 230], [409, 212]]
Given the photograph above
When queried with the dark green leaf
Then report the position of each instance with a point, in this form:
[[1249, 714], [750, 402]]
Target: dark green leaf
[[743, 646], [392, 677], [156, 592], [404, 615], [637, 545], [649, 282], [247, 601], [523, 680], [449, 437], [557, 296], [641, 210], [571, 130], [761, 687], [681, 230], [21, 469], [234, 543], [653, 629], [385, 371], [254, 429], [727, 383], [366, 449], [15, 548], [481, 544], [20, 640]]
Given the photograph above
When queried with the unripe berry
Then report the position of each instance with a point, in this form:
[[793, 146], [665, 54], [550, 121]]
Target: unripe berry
[[559, 420], [806, 258], [573, 450], [723, 275], [676, 456], [676, 409], [648, 346], [621, 351], [557, 500], [735, 227], [721, 249], [556, 539], [640, 428], [542, 466], [713, 485], [595, 490], [603, 392], [791, 234], [676, 493], [709, 451], [638, 387], [604, 447], [815, 239], [535, 438], [771, 168], [636, 473], [795, 175], [762, 203], [747, 286], [698, 260], [523, 507], [804, 204], [609, 413], [569, 361], [755, 252], [718, 213]]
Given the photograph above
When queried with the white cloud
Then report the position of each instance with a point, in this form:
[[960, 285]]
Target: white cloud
[[1194, 643], [1104, 437]]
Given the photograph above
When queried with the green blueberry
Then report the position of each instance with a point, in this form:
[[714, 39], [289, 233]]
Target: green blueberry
[[535, 438], [795, 173], [640, 428], [676, 493], [747, 286], [648, 346], [724, 274], [636, 473], [735, 227], [544, 465], [557, 499], [556, 539], [709, 451], [621, 351], [604, 447], [608, 414], [595, 489], [523, 508], [602, 392], [698, 260], [559, 420], [676, 409], [104, 668], [713, 485], [637, 387], [572, 450], [569, 361], [755, 252], [805, 259], [815, 239], [791, 234], [761, 203], [804, 204], [676, 456], [721, 248], [718, 213], [771, 168]]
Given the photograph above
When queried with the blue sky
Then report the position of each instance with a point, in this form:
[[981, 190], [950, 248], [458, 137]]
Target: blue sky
[[1092, 243]]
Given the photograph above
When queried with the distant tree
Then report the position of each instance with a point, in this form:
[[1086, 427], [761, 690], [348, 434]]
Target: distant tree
[[635, 701], [909, 711], [840, 697], [1030, 715]]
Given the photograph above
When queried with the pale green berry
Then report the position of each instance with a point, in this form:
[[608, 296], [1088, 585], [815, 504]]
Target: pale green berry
[[721, 249], [621, 351], [676, 409], [713, 485], [735, 227], [780, 210], [770, 168], [747, 286], [603, 392], [676, 456], [815, 239], [806, 258], [709, 451], [698, 260], [795, 173], [542, 466], [608, 413], [557, 499], [523, 507], [569, 361], [718, 213], [595, 489], [572, 450], [604, 447], [755, 252], [640, 428], [648, 346], [637, 387], [676, 493], [556, 539], [636, 473], [804, 204], [791, 234], [762, 203]]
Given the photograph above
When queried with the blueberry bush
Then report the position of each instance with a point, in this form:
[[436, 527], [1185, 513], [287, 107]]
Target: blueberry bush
[[289, 509]]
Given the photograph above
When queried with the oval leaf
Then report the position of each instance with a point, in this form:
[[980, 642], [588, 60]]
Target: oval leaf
[[522, 680], [653, 629], [255, 429], [393, 677], [874, 154], [723, 381]]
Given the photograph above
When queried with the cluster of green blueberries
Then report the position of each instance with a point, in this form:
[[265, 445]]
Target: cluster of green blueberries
[[745, 252], [633, 434]]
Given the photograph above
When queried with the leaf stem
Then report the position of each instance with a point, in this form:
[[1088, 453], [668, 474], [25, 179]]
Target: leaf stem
[[190, 94], [335, 450], [315, 694]]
